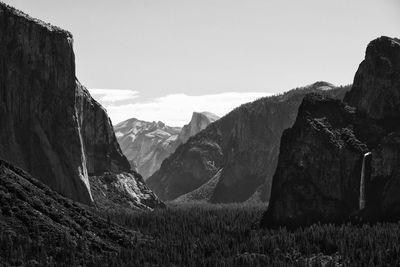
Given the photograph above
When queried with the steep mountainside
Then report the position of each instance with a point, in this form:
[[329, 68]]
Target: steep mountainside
[[147, 144], [339, 162], [51, 127], [243, 146], [33, 212]]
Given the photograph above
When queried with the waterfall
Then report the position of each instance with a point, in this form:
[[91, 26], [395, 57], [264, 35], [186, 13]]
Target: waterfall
[[362, 182]]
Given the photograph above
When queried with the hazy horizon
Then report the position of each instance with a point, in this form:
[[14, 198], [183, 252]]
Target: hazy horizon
[[162, 60]]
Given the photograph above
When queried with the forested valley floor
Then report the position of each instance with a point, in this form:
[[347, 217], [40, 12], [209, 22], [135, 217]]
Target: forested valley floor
[[219, 235]]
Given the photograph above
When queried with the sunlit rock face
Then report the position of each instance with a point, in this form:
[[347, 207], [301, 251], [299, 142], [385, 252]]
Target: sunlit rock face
[[322, 155], [51, 126], [147, 144], [102, 150], [126, 190], [243, 146], [198, 122]]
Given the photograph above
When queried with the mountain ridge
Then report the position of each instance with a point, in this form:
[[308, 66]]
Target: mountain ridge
[[147, 144], [235, 138]]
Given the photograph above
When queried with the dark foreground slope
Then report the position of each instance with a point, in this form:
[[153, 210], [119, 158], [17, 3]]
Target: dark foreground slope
[[325, 171], [50, 125], [40, 226], [234, 158], [59, 232]]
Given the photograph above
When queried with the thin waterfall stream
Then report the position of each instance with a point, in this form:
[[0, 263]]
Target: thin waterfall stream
[[362, 182]]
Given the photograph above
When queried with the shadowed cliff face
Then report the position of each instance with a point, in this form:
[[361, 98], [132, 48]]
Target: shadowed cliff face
[[318, 174], [320, 162], [37, 104], [243, 146], [376, 84], [51, 126]]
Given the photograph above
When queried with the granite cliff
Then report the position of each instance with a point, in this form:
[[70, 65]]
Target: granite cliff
[[51, 126], [339, 161], [234, 158]]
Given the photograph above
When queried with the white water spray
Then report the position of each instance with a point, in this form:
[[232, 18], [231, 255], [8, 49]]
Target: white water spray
[[362, 182]]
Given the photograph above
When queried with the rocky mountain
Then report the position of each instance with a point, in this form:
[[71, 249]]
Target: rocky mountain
[[147, 144], [341, 160], [198, 122], [234, 158], [51, 126]]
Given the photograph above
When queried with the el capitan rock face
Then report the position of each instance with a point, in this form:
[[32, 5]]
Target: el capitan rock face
[[320, 164], [39, 120], [243, 146], [51, 126], [147, 144]]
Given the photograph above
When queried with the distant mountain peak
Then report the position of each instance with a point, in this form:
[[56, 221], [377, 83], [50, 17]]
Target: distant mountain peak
[[147, 144], [321, 85]]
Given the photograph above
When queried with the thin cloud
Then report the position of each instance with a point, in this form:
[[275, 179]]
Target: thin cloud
[[113, 95], [176, 109]]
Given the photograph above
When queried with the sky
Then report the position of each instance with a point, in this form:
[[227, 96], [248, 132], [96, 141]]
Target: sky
[[164, 59]]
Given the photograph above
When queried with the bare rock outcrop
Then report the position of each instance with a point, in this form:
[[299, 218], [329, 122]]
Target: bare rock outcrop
[[323, 174]]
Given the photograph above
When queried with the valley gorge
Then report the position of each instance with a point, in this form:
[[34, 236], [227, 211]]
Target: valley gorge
[[307, 177], [234, 158]]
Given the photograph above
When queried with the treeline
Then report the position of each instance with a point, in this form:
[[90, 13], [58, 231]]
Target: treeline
[[223, 235]]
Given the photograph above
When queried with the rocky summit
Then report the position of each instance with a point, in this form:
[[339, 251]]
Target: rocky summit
[[234, 158], [51, 126], [339, 161], [147, 144]]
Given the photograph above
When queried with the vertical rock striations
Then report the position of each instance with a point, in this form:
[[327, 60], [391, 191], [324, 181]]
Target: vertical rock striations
[[332, 145], [38, 118], [51, 126]]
